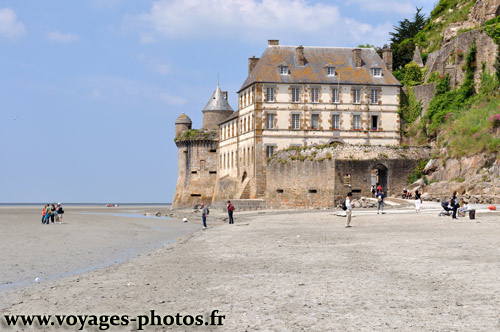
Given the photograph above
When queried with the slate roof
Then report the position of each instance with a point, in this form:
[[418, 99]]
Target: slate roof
[[231, 117], [217, 102], [314, 71]]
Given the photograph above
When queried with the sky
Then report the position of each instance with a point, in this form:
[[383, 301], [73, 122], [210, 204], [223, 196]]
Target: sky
[[90, 89]]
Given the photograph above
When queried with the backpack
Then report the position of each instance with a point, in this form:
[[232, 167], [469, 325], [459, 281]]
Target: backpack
[[344, 206], [379, 198], [208, 211], [230, 207]]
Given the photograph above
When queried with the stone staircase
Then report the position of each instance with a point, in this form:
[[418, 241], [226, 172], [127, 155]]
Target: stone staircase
[[244, 190]]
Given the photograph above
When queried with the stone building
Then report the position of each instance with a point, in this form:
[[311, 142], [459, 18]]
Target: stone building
[[294, 96], [197, 153]]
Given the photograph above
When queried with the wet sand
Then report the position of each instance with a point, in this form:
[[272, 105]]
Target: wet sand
[[300, 271], [88, 238]]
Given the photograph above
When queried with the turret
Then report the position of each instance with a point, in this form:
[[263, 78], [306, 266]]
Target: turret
[[216, 110], [182, 123]]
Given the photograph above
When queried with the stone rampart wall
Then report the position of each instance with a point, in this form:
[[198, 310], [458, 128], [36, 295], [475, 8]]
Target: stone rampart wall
[[321, 182], [424, 93], [197, 162]]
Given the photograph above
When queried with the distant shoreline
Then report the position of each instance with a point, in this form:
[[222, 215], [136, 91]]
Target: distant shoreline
[[88, 204]]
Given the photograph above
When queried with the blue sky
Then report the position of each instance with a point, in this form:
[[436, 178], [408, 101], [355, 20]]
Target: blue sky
[[90, 89]]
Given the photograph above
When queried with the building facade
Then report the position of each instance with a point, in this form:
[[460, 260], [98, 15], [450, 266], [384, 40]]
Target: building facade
[[301, 96]]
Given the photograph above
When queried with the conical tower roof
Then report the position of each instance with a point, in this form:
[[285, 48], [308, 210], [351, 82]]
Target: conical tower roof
[[217, 102]]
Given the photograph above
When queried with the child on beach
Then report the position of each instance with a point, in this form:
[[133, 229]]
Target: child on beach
[[44, 213]]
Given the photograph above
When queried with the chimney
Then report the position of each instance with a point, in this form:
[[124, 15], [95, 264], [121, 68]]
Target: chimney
[[299, 54], [225, 94], [356, 57], [273, 42], [387, 57], [251, 63]]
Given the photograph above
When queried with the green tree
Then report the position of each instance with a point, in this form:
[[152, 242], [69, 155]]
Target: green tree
[[402, 44], [408, 29]]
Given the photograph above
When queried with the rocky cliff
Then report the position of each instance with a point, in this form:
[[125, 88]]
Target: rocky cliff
[[476, 177]]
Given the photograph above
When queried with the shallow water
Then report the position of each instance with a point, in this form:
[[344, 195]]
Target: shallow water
[[88, 239]]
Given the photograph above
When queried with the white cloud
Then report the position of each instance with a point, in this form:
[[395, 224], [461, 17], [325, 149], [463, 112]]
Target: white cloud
[[123, 90], [10, 27], [154, 64], [60, 37], [253, 20]]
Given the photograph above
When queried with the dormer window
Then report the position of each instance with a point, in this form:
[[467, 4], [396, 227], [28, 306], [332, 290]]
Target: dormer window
[[330, 71], [377, 72], [283, 70]]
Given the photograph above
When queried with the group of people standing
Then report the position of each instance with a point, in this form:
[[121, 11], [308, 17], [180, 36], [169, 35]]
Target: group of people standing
[[52, 213], [205, 212]]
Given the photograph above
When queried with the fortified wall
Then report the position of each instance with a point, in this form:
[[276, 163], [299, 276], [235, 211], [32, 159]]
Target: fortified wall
[[197, 168], [320, 177]]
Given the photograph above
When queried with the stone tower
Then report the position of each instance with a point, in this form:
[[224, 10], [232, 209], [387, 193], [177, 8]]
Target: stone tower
[[197, 153], [216, 110], [182, 123]]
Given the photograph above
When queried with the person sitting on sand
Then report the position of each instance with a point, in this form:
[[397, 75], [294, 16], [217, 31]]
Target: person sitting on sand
[[462, 210]]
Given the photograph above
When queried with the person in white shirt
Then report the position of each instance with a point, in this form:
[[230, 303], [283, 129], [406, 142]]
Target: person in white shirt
[[349, 209]]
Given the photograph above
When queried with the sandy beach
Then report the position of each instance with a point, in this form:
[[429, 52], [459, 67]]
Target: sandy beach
[[272, 271]]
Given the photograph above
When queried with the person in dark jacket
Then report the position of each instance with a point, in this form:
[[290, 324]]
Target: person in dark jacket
[[454, 205]]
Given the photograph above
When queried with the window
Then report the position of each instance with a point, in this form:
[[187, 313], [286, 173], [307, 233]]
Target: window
[[270, 121], [336, 121], [356, 95], [374, 122], [335, 95], [315, 121], [283, 70], [374, 96], [270, 94], [295, 121], [295, 95], [377, 72], [330, 71], [356, 124], [314, 95], [269, 151]]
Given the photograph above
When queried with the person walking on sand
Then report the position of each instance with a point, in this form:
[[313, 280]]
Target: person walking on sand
[[230, 210], [380, 202], [418, 200], [60, 212], [348, 212], [454, 205], [204, 213]]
